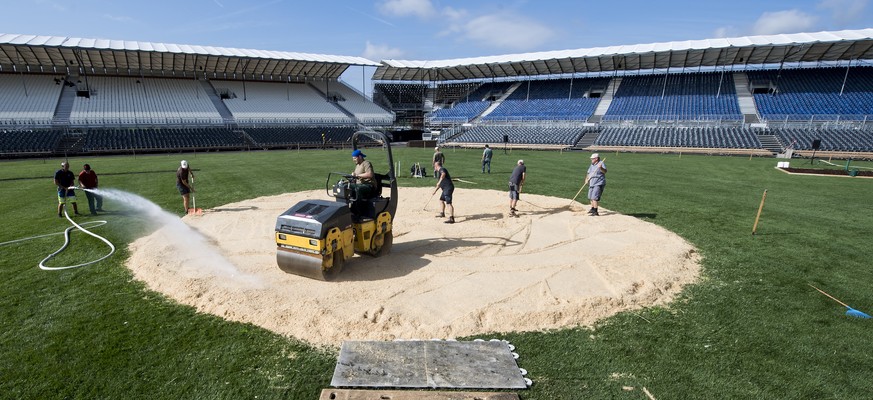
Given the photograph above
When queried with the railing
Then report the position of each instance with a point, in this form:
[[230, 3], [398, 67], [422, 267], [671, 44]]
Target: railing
[[535, 118], [25, 122], [674, 118], [818, 120], [648, 120]]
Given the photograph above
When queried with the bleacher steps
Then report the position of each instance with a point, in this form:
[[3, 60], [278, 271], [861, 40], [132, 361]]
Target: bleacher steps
[[335, 103], [248, 141], [71, 142], [771, 143], [496, 103], [222, 109], [745, 98], [605, 100], [64, 108], [587, 140]]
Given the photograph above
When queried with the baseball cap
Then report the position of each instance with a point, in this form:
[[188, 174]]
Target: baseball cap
[[595, 155], [184, 164], [357, 153]]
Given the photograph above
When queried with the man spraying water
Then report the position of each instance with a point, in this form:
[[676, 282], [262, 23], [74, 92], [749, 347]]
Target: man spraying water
[[88, 181]]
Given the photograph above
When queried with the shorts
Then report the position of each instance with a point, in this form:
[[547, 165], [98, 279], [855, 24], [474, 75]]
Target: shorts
[[446, 196], [513, 192], [594, 192], [70, 196], [183, 190]]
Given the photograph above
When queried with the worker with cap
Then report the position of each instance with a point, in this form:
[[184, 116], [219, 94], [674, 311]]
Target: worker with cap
[[596, 180], [183, 174], [364, 185], [64, 180], [438, 156], [516, 182]]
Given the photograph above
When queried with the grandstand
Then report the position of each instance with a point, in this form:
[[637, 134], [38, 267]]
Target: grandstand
[[757, 94]]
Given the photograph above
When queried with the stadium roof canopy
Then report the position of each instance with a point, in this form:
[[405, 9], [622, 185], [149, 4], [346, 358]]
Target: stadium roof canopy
[[748, 50], [54, 54]]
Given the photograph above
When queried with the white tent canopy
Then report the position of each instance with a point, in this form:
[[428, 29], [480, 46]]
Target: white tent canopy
[[56, 54], [748, 50]]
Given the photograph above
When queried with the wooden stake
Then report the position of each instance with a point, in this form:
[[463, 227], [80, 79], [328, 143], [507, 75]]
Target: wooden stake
[[649, 395], [760, 208]]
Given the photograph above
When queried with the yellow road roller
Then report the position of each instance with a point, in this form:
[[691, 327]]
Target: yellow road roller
[[314, 238]]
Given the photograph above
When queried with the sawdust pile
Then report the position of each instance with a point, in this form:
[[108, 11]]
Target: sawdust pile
[[552, 267]]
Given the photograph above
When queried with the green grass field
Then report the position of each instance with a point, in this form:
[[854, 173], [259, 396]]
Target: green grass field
[[751, 328]]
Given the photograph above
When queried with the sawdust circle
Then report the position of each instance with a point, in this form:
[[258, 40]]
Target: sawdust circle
[[552, 267]]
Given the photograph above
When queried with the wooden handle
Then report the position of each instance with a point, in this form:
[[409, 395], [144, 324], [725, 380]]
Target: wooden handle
[[832, 297]]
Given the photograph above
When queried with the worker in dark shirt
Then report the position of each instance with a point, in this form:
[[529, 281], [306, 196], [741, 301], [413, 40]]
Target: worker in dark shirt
[[64, 180]]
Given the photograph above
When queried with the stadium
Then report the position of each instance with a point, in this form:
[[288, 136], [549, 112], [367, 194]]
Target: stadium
[[692, 131]]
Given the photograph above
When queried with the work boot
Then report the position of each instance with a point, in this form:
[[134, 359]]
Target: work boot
[[592, 210], [593, 213], [451, 220]]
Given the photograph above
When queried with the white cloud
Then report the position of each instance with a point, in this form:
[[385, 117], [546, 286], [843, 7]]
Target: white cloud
[[454, 14], [844, 11], [724, 31], [402, 8], [453, 20], [53, 5], [117, 18], [787, 21], [378, 52], [507, 31]]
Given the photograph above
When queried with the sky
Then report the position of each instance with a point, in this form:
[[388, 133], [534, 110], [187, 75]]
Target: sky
[[425, 29]]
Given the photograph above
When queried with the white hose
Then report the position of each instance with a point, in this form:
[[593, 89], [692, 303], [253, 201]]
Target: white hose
[[836, 165], [67, 242]]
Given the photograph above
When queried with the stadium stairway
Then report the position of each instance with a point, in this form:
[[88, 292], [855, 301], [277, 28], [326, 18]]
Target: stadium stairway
[[770, 143], [606, 100], [248, 141], [71, 142], [64, 107], [498, 102], [587, 140], [745, 98], [335, 103], [216, 101]]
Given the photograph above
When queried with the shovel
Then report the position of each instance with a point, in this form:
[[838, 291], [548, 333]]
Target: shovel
[[194, 210]]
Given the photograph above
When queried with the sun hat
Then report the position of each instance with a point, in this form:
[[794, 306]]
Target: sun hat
[[595, 155], [357, 153]]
